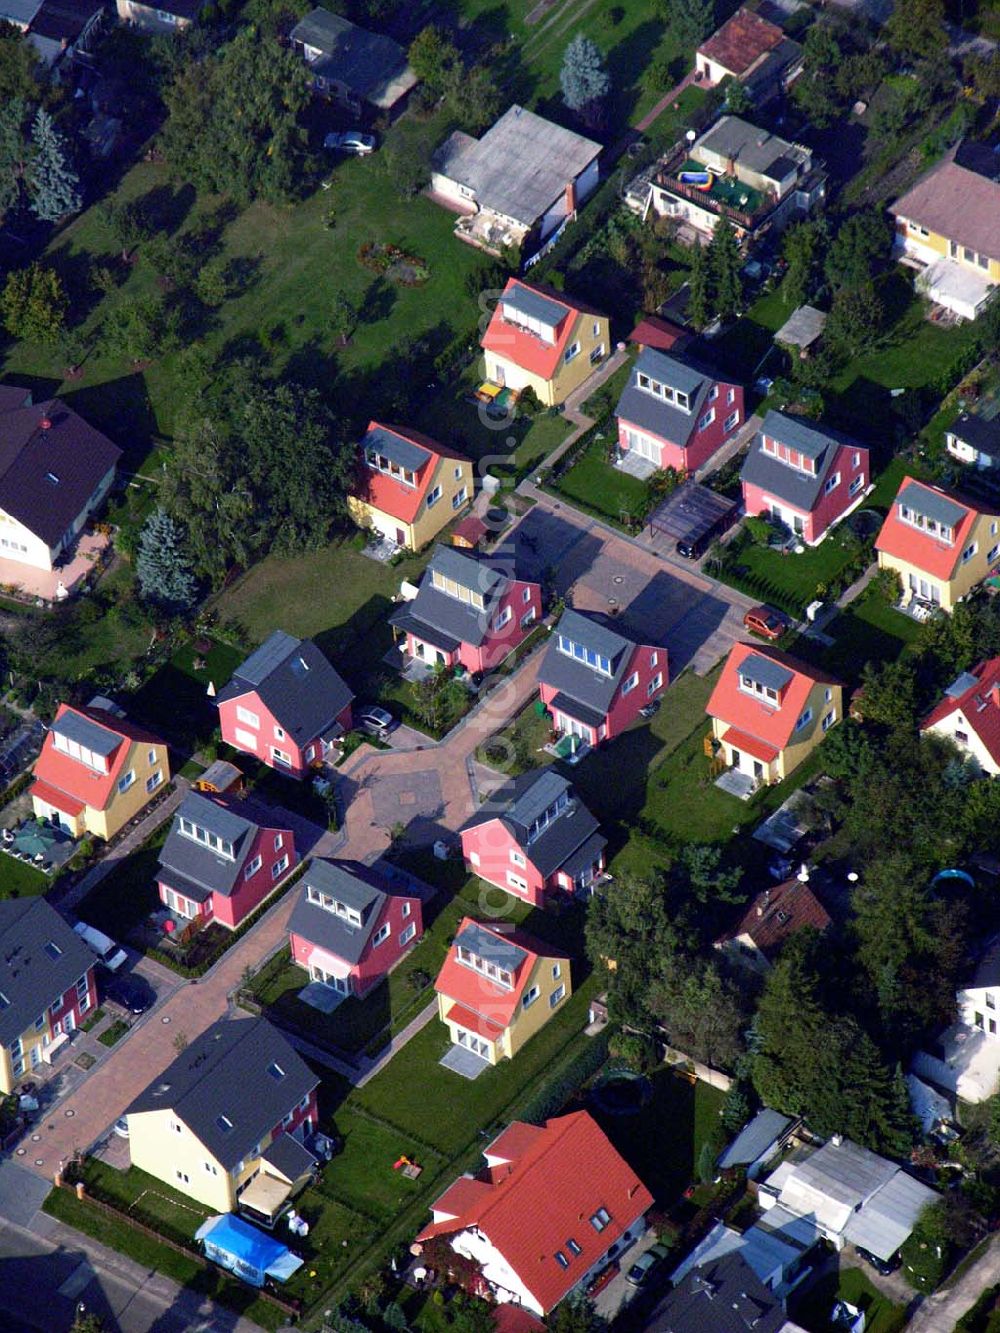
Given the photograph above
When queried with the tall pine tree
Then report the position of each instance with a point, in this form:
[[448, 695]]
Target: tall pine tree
[[700, 297], [53, 185], [583, 78], [13, 151], [725, 262], [163, 566]]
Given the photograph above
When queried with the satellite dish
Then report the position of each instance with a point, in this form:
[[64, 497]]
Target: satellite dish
[[852, 876], [690, 136]]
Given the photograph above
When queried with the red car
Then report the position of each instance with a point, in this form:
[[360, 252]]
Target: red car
[[765, 622]]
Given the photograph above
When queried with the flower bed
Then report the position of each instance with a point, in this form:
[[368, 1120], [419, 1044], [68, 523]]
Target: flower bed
[[394, 263]]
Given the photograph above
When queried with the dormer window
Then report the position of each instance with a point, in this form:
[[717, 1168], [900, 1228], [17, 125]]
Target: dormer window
[[675, 397], [382, 464], [750, 686], [79, 752], [331, 904], [528, 323], [540, 824], [498, 974], [206, 837], [790, 457], [451, 588], [583, 654], [942, 531], [600, 1219]]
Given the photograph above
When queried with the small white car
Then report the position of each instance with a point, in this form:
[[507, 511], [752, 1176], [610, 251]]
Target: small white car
[[108, 952], [121, 1127], [375, 720], [351, 141]]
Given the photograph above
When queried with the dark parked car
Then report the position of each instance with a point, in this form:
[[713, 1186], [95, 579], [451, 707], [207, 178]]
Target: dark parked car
[[646, 1265], [883, 1266], [132, 993], [690, 550]]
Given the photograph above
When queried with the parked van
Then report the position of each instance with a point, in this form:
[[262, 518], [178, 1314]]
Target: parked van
[[112, 955]]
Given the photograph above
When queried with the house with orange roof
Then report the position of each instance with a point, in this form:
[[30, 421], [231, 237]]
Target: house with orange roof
[[497, 989], [969, 715], [96, 771], [769, 711], [941, 545], [542, 340], [770, 920], [752, 50], [408, 486], [544, 1216]]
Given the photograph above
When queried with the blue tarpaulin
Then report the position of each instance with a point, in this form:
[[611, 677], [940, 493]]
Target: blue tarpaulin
[[241, 1249]]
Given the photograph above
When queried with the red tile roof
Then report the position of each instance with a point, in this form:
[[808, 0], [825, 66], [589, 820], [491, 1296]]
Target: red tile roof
[[69, 805], [652, 331], [776, 914], [473, 1022], [764, 723], [751, 745], [479, 997], [920, 549], [979, 704], [741, 41], [959, 204], [513, 1142], [461, 1195], [512, 343], [547, 1198], [69, 778], [511, 1318], [395, 497]]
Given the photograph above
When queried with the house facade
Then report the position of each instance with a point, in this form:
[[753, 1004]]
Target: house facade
[[227, 1122], [285, 705], [675, 415], [168, 17], [769, 711], [409, 487], [772, 917], [469, 612], [348, 932], [96, 771], [47, 986], [804, 475], [964, 1059], [358, 69], [55, 472], [969, 715], [950, 223], [540, 340], [221, 859], [974, 440], [941, 546], [581, 1216], [496, 989], [594, 681], [535, 839]]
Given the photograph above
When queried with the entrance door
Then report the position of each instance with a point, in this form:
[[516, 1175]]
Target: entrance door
[[69, 1023], [400, 537], [758, 769], [643, 446], [736, 758], [474, 1044]]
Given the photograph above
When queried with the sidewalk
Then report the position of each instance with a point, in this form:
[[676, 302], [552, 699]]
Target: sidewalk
[[571, 408], [667, 100], [940, 1312]]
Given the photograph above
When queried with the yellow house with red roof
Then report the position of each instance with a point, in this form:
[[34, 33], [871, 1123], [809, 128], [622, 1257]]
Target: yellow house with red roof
[[408, 486], [497, 989], [96, 771], [941, 546], [538, 339], [769, 711]]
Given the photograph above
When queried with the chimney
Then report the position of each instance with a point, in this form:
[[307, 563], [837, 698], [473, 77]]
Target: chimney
[[803, 875], [836, 1140], [995, 694], [45, 424], [570, 197], [763, 902]]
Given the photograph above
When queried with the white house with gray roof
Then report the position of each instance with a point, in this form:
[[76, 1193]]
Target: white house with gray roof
[[517, 183], [594, 681], [349, 928]]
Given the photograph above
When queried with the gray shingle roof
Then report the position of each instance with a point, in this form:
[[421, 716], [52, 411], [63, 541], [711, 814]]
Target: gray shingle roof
[[536, 306], [230, 1073], [90, 734], [931, 504], [577, 679], [749, 146], [722, 1296], [30, 977], [405, 453], [765, 1129], [289, 1157], [519, 803], [982, 434], [648, 412], [370, 64], [800, 489], [443, 620], [763, 671], [295, 682], [335, 934], [197, 863], [492, 948], [48, 473]]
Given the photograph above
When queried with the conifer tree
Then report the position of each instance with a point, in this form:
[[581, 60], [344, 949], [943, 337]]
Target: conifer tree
[[725, 261], [699, 306], [583, 78], [163, 566], [53, 185]]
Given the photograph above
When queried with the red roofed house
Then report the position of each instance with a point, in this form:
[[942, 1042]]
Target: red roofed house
[[769, 711], [96, 771], [940, 546], [496, 990], [751, 49], [286, 705], [409, 487], [969, 715], [540, 339], [772, 917], [676, 414], [544, 1214]]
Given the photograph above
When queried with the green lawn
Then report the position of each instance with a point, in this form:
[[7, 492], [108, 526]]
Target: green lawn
[[362, 1176], [127, 894], [867, 631], [812, 1310], [791, 580], [175, 702], [113, 1033], [18, 880], [593, 483]]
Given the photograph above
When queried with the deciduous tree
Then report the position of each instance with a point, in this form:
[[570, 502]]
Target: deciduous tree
[[862, 242], [139, 328], [34, 304], [433, 58], [856, 318], [917, 27]]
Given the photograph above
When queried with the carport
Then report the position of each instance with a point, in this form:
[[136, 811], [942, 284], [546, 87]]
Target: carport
[[693, 514]]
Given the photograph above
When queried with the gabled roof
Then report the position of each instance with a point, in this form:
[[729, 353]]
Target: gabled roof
[[800, 489], [295, 682], [351, 884], [576, 678], [956, 203], [519, 803], [923, 550], [51, 462], [40, 959], [661, 334], [512, 342], [512, 951], [544, 1199], [776, 914], [449, 620], [723, 1295], [976, 695], [193, 867], [384, 492], [772, 725], [741, 41], [370, 64], [981, 433], [643, 409], [230, 1086], [97, 729], [755, 1138]]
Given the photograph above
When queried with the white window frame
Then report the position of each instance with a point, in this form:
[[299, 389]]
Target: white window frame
[[433, 496], [381, 935], [525, 595], [832, 483], [629, 685], [504, 618], [459, 498], [405, 911], [707, 419], [856, 485], [516, 882], [516, 859], [805, 718], [654, 684], [279, 732], [126, 781], [557, 996], [529, 997], [252, 867], [245, 738], [153, 781], [970, 551], [408, 934], [732, 420], [248, 717], [571, 353], [279, 867]]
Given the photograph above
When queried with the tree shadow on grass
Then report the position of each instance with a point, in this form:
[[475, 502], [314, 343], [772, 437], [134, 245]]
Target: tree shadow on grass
[[662, 1160], [626, 63], [122, 409], [166, 209]]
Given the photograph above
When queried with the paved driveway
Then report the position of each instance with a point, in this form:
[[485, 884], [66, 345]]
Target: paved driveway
[[695, 618]]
